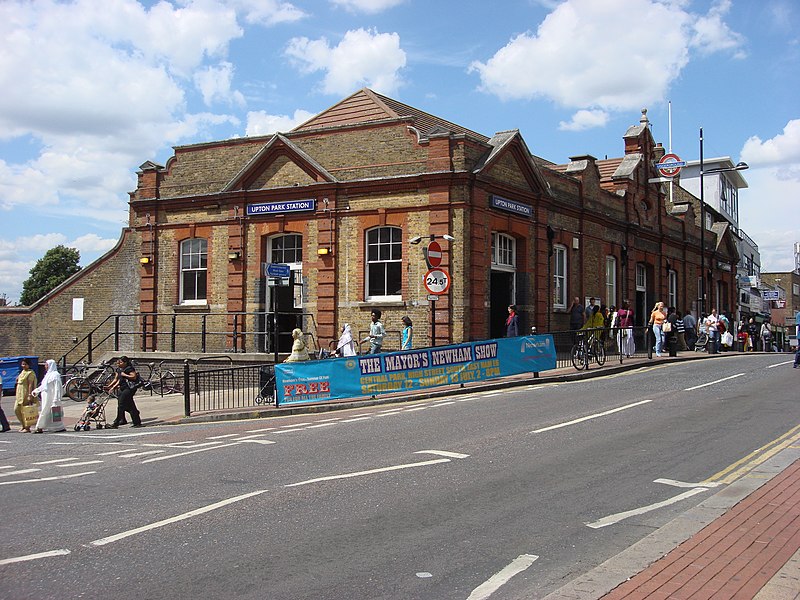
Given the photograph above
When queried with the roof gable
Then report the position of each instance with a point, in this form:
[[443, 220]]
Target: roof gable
[[280, 163], [509, 153]]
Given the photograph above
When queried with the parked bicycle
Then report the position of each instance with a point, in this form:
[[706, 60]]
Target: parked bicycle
[[587, 348], [159, 379], [87, 380]]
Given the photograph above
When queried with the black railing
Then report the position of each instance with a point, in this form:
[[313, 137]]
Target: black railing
[[227, 388]]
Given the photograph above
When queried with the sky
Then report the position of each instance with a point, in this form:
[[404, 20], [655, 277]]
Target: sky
[[91, 90]]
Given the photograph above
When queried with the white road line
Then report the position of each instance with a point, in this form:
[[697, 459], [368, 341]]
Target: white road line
[[80, 464], [589, 417], [491, 585], [353, 420], [467, 398], [443, 453], [444, 403], [260, 430], [295, 425], [612, 519], [264, 442], [192, 513], [8, 467], [370, 472], [219, 437], [417, 408], [321, 425], [713, 382], [686, 484], [251, 437], [115, 452], [169, 456], [288, 430], [788, 362], [8, 561], [145, 453], [330, 419], [57, 460], [20, 472], [48, 478]]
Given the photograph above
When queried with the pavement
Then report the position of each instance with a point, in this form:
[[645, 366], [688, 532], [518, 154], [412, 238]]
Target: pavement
[[743, 542]]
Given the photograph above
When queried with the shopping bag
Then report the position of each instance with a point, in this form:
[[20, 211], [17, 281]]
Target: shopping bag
[[30, 414], [58, 413]]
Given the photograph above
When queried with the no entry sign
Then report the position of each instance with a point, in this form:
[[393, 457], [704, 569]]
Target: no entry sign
[[434, 254], [670, 165], [437, 281]]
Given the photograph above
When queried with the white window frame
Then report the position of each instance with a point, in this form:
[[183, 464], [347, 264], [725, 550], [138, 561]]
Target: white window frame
[[672, 288], [560, 277], [641, 278], [295, 252], [198, 266], [394, 260], [611, 280], [504, 252]]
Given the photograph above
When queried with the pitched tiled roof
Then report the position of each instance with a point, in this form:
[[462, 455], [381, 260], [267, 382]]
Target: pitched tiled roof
[[366, 106]]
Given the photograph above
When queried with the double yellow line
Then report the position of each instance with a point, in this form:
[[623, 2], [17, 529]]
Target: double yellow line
[[741, 467]]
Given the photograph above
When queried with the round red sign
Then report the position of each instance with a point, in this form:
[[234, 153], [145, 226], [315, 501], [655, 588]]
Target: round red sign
[[434, 254], [670, 165]]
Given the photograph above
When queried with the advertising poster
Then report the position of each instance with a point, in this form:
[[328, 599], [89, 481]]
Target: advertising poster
[[393, 372]]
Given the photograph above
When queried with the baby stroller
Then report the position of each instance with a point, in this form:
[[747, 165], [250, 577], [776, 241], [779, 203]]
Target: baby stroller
[[95, 412]]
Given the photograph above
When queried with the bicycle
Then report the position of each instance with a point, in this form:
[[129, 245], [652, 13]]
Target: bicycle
[[586, 349], [79, 387], [160, 380]]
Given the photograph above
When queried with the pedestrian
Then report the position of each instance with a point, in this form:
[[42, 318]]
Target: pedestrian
[[346, 345], [26, 382], [51, 416], [752, 334], [712, 327], [680, 331], [3, 419], [407, 335], [512, 322], [671, 333], [376, 332], [125, 385], [596, 320], [725, 335], [657, 318], [797, 339], [588, 312], [299, 347], [690, 329], [625, 317], [766, 335], [576, 317]]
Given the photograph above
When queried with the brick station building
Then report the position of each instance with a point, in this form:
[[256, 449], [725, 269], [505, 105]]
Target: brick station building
[[340, 200]]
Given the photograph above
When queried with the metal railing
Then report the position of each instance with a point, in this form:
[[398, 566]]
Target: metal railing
[[226, 388]]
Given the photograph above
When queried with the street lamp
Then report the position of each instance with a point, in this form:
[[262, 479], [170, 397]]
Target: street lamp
[[739, 167]]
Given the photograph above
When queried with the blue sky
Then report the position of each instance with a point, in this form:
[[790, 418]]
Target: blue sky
[[89, 95]]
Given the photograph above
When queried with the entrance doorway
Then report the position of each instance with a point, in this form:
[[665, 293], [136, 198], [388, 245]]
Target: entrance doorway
[[283, 296], [501, 295]]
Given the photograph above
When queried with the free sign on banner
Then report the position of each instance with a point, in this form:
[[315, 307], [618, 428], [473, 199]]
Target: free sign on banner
[[437, 281]]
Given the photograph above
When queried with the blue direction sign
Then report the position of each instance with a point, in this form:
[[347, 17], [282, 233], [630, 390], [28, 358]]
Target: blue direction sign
[[278, 270], [770, 295]]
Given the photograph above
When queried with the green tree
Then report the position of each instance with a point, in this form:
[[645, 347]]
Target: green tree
[[56, 266]]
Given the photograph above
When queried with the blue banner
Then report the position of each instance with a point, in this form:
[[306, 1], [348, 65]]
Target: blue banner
[[393, 372]]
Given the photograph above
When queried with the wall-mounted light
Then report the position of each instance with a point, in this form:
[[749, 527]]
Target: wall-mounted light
[[415, 240], [234, 255], [323, 251], [145, 260], [448, 237], [576, 243]]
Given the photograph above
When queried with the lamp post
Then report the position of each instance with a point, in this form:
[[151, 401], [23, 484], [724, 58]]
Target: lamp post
[[739, 167], [416, 240]]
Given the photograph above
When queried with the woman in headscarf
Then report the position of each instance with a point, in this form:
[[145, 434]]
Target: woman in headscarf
[[26, 382], [512, 322], [346, 345], [51, 415], [299, 348]]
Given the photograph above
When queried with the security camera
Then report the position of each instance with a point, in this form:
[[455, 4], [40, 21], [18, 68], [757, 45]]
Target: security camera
[[448, 237], [415, 240]]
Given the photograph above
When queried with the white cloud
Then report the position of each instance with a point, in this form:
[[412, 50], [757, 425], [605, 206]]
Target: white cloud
[[91, 243], [214, 82], [585, 119], [712, 34], [586, 54], [261, 123], [783, 149], [362, 58], [268, 12], [366, 6]]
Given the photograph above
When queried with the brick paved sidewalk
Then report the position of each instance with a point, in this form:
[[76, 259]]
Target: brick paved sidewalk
[[736, 555]]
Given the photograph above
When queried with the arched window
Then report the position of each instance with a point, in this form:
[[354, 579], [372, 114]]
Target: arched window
[[560, 277], [194, 271], [384, 263], [288, 250]]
